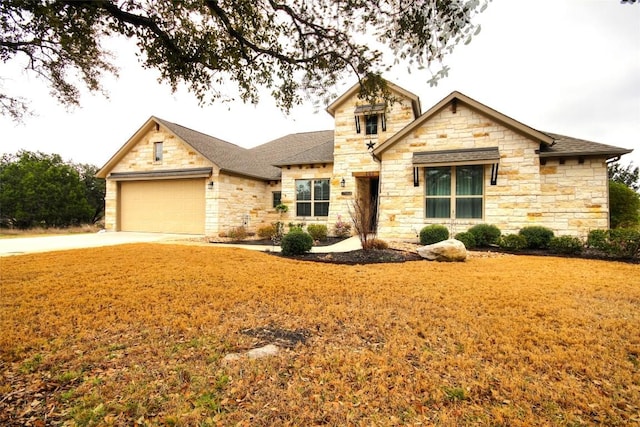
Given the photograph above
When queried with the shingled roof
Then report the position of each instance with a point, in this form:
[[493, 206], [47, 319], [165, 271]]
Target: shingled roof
[[258, 162], [566, 146]]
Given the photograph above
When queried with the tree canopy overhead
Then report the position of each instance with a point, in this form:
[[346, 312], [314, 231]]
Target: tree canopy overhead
[[295, 48]]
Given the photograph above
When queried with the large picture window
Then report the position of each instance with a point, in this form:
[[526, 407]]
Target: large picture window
[[312, 197], [454, 192]]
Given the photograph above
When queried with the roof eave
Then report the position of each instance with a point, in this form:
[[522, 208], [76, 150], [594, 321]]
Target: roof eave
[[607, 154]]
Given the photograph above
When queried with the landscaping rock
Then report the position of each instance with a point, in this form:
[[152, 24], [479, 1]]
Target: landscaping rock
[[448, 250], [255, 353]]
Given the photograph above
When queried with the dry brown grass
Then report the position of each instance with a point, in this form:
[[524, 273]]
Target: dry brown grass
[[137, 333]]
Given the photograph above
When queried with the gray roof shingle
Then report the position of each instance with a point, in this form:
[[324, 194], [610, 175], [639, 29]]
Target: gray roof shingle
[[258, 162], [565, 146]]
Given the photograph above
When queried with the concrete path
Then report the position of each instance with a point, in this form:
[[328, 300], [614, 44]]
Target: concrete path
[[26, 245], [346, 245]]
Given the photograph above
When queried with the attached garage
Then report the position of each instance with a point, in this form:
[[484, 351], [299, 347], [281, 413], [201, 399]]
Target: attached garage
[[163, 202]]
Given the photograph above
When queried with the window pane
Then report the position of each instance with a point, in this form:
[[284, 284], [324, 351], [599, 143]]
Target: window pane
[[469, 180], [467, 207], [438, 181], [303, 189], [321, 189], [371, 124], [438, 208], [321, 209], [303, 209], [157, 151], [277, 198]]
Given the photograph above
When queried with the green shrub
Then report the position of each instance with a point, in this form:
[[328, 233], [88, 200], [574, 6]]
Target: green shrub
[[568, 245], [433, 234], [467, 238], [625, 242], [237, 233], [485, 234], [317, 231], [538, 237], [598, 239], [266, 232], [375, 244], [512, 242], [296, 242], [619, 242]]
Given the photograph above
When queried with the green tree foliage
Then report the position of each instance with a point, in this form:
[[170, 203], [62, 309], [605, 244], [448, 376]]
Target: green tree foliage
[[293, 48], [624, 206], [627, 175], [41, 189]]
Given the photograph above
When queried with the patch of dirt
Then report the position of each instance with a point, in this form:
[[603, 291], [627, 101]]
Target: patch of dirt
[[278, 336]]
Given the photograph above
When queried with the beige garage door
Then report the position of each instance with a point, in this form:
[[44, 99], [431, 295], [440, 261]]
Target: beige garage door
[[163, 206]]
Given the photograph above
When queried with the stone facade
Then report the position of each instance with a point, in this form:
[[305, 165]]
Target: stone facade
[[570, 198], [566, 192]]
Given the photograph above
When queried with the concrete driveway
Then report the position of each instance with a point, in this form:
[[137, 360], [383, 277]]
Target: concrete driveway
[[26, 245]]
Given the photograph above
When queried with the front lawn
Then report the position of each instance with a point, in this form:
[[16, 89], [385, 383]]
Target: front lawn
[[136, 335]]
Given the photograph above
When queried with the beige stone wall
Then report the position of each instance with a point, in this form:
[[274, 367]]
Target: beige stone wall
[[351, 155], [570, 198], [241, 202]]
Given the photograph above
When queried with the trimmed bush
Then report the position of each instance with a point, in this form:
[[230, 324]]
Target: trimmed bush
[[538, 237], [317, 231], [467, 238], [296, 242], [376, 244], [485, 234], [597, 239], [512, 242], [619, 242], [266, 232], [433, 234], [567, 245]]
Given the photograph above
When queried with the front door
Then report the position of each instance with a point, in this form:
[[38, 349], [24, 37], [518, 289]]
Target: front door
[[367, 212]]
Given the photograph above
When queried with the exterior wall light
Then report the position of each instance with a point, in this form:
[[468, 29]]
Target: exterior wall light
[[342, 183], [210, 185]]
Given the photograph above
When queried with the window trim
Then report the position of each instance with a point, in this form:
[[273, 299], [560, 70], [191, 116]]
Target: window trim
[[313, 202], [453, 196]]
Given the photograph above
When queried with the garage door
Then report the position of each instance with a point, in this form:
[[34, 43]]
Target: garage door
[[163, 206]]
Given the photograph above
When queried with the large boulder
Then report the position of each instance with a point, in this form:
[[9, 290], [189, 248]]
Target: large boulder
[[448, 250]]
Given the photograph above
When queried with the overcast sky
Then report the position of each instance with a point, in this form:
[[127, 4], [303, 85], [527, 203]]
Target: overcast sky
[[565, 66]]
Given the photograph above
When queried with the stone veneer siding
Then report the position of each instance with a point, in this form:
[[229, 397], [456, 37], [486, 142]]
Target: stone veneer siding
[[232, 199], [527, 193]]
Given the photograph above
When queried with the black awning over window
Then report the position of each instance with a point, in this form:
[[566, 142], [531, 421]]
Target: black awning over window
[[161, 174], [471, 156], [370, 109]]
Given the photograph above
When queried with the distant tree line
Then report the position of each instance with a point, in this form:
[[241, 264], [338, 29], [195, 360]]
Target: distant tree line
[[42, 190]]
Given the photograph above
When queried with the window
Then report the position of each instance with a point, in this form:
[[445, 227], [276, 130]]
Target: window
[[454, 192], [371, 124], [312, 197], [277, 198], [157, 151]]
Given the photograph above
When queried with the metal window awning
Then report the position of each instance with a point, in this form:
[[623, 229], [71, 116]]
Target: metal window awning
[[161, 174], [471, 156], [370, 109]]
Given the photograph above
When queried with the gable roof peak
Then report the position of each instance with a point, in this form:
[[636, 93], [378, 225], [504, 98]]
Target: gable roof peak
[[353, 91]]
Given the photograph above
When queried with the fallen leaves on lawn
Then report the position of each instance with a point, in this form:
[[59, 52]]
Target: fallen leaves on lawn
[[136, 334]]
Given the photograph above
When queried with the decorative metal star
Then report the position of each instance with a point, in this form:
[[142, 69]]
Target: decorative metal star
[[370, 145]]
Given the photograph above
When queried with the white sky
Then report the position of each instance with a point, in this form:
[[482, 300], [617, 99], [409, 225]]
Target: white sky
[[566, 66]]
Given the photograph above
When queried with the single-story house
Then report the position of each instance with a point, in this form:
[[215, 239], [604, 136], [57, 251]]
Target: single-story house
[[459, 163]]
